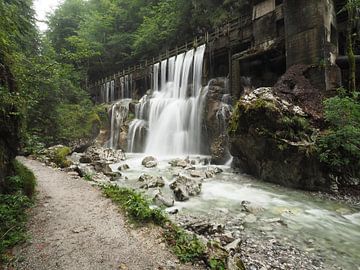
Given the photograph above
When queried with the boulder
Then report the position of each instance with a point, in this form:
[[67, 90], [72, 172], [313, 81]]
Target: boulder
[[271, 139], [149, 162], [184, 187], [149, 181], [161, 200], [183, 163]]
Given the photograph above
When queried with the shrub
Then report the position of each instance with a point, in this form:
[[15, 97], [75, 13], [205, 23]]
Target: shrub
[[340, 144], [23, 180], [19, 190]]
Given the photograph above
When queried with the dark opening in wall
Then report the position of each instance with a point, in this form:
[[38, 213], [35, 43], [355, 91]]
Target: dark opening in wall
[[280, 28], [279, 2]]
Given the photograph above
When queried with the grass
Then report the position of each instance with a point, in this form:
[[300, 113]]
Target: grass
[[186, 246], [18, 196]]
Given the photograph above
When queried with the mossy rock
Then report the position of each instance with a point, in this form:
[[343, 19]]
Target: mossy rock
[[59, 157]]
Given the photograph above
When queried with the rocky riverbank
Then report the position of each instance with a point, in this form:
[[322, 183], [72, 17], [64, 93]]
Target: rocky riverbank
[[265, 226]]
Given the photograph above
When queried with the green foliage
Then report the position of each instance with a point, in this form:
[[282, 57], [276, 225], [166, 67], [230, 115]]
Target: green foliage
[[12, 221], [217, 264], [88, 177], [135, 204], [16, 199], [59, 157], [340, 144], [23, 180], [187, 247], [76, 121]]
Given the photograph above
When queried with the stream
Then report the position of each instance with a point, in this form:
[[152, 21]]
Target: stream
[[327, 230]]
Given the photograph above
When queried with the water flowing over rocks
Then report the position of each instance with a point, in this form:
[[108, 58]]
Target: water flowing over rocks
[[217, 115]]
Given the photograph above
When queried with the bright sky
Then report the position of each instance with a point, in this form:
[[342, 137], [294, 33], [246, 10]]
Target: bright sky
[[42, 7]]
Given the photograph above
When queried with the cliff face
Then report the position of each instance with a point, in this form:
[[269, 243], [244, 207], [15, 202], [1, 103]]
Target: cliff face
[[273, 140]]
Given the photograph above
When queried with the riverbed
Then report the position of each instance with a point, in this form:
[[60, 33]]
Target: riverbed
[[325, 233]]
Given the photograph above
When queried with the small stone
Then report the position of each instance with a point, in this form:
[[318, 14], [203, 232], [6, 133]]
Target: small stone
[[198, 174], [123, 167], [250, 218]]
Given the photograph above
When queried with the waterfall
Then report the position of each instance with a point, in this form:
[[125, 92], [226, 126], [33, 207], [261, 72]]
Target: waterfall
[[156, 77], [112, 91], [119, 112], [163, 74], [170, 117]]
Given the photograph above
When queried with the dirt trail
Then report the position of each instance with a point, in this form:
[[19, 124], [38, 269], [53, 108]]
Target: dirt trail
[[74, 227]]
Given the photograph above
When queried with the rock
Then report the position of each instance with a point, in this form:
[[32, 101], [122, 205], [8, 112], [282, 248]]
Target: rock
[[234, 246], [172, 211], [151, 164], [123, 167], [85, 159], [197, 174], [148, 159], [235, 263], [184, 187], [179, 163], [204, 227], [160, 200], [85, 169], [149, 181], [250, 218], [268, 138]]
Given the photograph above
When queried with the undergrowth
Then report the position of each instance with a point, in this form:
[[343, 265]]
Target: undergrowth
[[186, 246], [17, 197]]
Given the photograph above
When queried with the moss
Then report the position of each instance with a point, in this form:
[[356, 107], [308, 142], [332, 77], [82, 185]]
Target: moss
[[59, 157]]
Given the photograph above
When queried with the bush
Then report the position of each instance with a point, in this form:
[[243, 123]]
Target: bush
[[340, 144], [12, 221], [19, 191], [23, 181]]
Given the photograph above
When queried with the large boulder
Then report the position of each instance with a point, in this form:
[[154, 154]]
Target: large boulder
[[184, 187], [274, 140], [149, 162], [149, 181]]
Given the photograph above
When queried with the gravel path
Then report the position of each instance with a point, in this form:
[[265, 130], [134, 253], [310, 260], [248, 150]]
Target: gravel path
[[74, 227]]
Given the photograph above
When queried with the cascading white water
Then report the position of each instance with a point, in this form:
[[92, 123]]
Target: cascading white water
[[163, 74], [173, 112]]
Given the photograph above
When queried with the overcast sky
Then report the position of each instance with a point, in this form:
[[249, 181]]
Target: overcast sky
[[42, 7]]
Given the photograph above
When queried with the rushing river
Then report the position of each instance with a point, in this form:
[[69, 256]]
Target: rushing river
[[312, 224]]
